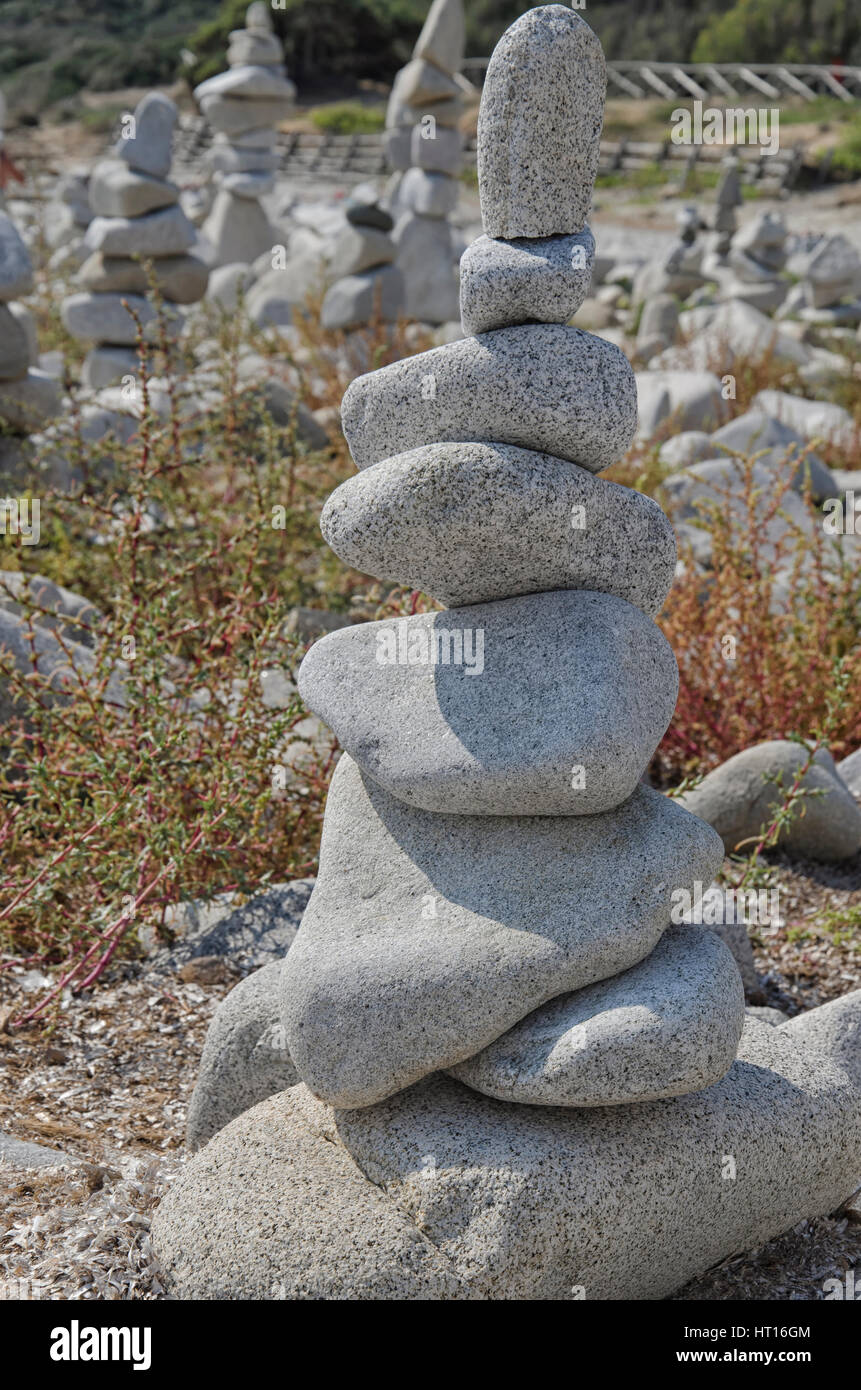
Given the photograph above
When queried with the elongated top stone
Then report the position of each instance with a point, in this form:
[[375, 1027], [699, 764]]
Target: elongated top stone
[[149, 148], [539, 125], [443, 35]]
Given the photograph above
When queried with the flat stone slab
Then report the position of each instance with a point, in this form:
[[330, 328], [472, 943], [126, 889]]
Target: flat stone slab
[[21, 1154], [542, 524], [115, 190], [546, 705], [428, 936], [181, 279], [525, 280], [236, 115], [441, 1193], [356, 299], [539, 125], [742, 796], [247, 80], [667, 1026], [540, 386], [167, 232], [104, 318]]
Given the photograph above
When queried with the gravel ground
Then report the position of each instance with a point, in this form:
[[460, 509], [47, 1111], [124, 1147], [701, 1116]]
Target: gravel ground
[[109, 1082]]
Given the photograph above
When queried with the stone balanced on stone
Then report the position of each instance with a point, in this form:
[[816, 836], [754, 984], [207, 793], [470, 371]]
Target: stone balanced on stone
[[139, 236], [503, 1044], [28, 396], [366, 282], [424, 147], [243, 105]]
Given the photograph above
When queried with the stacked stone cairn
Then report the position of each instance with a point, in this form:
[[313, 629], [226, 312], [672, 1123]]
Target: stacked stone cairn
[[243, 105], [367, 285], [28, 396], [728, 198], [139, 239], [424, 145], [519, 1079], [757, 257]]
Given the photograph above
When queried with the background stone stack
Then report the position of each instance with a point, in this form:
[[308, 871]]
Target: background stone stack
[[366, 282], [424, 146], [490, 923], [137, 220], [28, 397], [243, 105]]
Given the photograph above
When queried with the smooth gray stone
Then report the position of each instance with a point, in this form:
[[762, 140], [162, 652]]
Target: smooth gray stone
[[356, 299], [245, 1057], [363, 212], [757, 433], [21, 1154], [443, 36], [105, 365], [236, 115], [734, 936], [237, 229], [541, 524], [553, 707], [149, 150], [542, 386], [329, 1232], [681, 450], [167, 232], [835, 1030], [692, 398], [115, 190], [741, 796], [428, 936], [104, 318], [16, 268], [430, 195], [181, 279], [261, 50], [666, 1027], [539, 125], [358, 249], [426, 259], [27, 403], [440, 151], [659, 323], [543, 280], [512, 1202], [720, 483], [247, 81], [14, 347]]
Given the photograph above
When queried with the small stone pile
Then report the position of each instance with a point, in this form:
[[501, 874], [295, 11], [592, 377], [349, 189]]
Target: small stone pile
[[728, 199], [367, 284], [28, 396], [138, 231], [243, 105], [520, 1081], [424, 144], [757, 256]]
